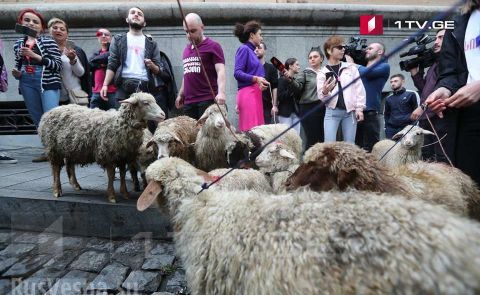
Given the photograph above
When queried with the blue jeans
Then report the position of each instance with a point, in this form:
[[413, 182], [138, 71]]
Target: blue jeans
[[37, 101], [335, 117], [98, 102]]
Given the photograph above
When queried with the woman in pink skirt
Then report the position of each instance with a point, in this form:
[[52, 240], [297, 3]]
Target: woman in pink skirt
[[249, 74]]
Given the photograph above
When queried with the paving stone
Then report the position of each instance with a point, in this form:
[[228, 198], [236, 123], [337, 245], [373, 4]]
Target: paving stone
[[90, 261], [26, 266], [176, 282], [101, 245], [17, 249], [6, 262], [163, 248], [5, 237], [162, 293], [69, 243], [37, 284], [5, 286], [110, 278], [35, 238], [143, 281], [134, 261], [63, 260], [131, 247], [158, 262], [73, 283]]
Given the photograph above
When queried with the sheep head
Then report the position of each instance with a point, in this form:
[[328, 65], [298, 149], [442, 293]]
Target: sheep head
[[145, 106], [164, 143], [276, 157], [170, 180], [340, 166], [213, 117], [412, 139]]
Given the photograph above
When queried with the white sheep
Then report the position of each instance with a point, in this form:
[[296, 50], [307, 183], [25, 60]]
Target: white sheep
[[74, 134], [212, 139], [277, 162], [175, 138], [343, 166], [408, 150], [245, 242]]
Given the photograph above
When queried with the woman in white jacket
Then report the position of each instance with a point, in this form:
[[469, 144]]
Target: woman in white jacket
[[347, 107]]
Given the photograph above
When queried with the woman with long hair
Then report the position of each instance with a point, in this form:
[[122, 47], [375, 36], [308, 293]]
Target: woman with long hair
[[250, 76], [37, 67]]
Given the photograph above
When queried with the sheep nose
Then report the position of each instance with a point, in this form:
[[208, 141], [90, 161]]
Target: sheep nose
[[160, 156]]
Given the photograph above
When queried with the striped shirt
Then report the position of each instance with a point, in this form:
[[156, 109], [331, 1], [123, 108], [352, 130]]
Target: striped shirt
[[51, 61]]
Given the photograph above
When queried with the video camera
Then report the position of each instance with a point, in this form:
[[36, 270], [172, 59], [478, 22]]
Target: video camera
[[425, 57], [356, 49]]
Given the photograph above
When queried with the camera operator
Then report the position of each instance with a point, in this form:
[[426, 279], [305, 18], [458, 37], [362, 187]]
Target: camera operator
[[426, 85], [458, 87], [368, 130]]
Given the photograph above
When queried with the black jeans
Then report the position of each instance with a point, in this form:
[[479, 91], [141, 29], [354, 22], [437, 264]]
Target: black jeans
[[430, 151], [313, 124], [195, 110], [368, 131]]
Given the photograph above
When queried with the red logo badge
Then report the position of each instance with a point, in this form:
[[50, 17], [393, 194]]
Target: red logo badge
[[371, 24]]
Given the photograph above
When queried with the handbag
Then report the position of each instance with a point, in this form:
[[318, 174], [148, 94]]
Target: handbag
[[78, 96]]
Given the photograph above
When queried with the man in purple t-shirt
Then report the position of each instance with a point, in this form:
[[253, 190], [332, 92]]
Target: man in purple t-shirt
[[195, 95]]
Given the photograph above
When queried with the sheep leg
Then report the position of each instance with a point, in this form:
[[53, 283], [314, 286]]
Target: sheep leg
[[144, 180], [110, 190], [57, 185], [123, 184], [72, 178], [134, 175]]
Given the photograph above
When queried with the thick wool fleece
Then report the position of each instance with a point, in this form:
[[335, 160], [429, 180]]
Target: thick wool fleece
[[179, 133], [291, 139]]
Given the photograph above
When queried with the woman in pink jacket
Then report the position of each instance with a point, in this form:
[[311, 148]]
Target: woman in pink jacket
[[346, 108]]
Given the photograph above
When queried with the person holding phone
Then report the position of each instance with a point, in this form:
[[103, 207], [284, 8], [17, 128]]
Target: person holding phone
[[287, 105], [75, 68], [304, 86], [345, 105], [37, 67]]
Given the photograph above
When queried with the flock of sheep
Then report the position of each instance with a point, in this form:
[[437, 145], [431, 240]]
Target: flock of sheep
[[337, 221]]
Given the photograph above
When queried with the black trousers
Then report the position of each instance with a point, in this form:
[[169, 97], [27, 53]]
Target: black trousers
[[368, 131], [430, 151], [313, 124], [467, 145], [195, 110]]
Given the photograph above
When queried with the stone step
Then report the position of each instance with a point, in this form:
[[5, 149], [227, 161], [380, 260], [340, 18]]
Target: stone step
[[28, 204]]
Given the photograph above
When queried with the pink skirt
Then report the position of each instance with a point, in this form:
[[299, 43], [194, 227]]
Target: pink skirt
[[250, 107]]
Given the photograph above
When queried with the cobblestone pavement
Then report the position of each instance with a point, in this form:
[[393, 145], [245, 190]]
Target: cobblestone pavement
[[48, 263]]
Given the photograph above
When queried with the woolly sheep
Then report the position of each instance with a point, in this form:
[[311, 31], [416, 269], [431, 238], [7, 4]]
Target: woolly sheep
[[278, 162], [82, 136], [212, 139], [244, 242], [341, 166], [146, 156], [408, 150], [175, 137]]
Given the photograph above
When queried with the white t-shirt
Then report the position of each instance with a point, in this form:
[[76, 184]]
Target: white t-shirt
[[134, 64], [70, 76], [472, 47]]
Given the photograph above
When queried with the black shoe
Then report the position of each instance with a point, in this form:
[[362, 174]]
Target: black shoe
[[41, 158], [7, 160]]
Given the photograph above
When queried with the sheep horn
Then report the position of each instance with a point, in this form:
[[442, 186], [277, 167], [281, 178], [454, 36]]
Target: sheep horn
[[149, 195]]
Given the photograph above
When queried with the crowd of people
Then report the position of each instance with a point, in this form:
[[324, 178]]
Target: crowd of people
[[332, 92]]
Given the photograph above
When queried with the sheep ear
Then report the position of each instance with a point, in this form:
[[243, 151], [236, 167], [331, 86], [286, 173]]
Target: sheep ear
[[131, 100], [206, 177], [175, 137], [427, 132], [149, 195], [150, 143], [284, 153], [398, 135], [202, 120]]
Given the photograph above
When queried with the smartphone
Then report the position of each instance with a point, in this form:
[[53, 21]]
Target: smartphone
[[70, 44], [277, 64], [24, 30], [329, 75]]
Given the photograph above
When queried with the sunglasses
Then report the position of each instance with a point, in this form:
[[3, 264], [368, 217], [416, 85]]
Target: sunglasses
[[339, 47], [103, 34]]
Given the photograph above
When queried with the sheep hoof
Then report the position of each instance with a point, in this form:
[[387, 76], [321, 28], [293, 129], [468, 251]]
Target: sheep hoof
[[77, 187], [57, 194], [126, 196], [112, 199]]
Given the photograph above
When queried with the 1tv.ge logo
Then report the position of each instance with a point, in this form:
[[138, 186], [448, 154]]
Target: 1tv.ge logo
[[373, 24]]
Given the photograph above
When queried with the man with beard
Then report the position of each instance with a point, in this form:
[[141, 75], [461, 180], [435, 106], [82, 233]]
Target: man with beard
[[399, 106], [134, 62], [425, 86], [368, 130], [195, 95]]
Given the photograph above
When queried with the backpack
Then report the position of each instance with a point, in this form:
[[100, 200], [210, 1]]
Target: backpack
[[3, 76]]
